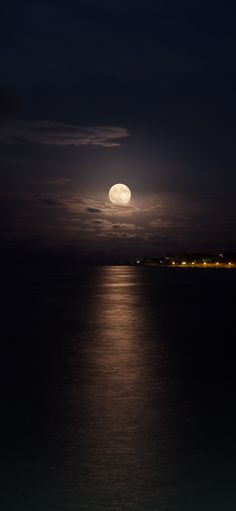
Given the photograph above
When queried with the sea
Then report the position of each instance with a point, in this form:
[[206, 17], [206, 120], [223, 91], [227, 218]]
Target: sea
[[117, 389]]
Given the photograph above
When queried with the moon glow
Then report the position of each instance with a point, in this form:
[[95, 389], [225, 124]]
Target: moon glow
[[119, 194]]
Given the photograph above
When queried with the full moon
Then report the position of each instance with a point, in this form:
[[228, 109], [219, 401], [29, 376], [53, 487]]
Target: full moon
[[119, 194]]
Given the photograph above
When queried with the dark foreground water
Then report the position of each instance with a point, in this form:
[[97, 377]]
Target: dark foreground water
[[117, 389]]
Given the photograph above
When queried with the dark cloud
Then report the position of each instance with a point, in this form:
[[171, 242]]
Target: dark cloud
[[93, 210], [99, 221], [61, 134], [50, 201]]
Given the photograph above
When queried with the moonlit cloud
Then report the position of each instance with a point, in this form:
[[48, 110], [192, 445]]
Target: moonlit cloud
[[105, 228], [56, 219], [60, 134], [89, 205], [160, 223]]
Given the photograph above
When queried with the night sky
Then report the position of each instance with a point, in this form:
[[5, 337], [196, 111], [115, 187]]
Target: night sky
[[94, 93]]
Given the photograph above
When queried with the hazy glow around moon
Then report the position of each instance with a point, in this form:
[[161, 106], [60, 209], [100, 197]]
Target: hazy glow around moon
[[119, 194]]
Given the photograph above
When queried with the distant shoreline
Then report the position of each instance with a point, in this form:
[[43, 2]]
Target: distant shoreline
[[188, 265]]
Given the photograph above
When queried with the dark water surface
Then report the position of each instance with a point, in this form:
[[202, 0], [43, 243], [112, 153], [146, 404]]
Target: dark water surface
[[118, 389]]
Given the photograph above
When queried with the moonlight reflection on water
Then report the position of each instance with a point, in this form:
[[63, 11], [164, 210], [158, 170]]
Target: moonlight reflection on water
[[119, 388]]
